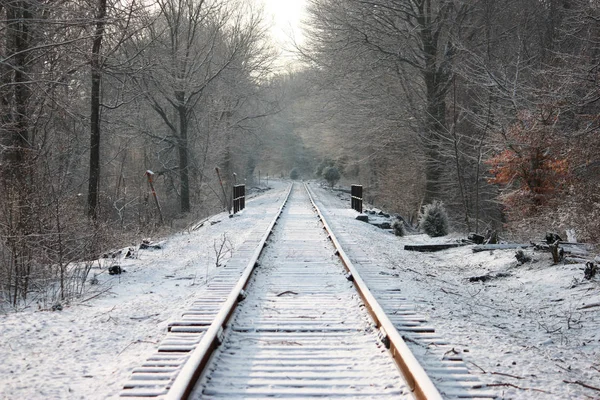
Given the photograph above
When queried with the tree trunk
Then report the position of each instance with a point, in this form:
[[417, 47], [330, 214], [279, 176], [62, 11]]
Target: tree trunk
[[228, 168], [182, 146], [18, 41], [435, 129], [435, 79], [17, 170], [96, 64]]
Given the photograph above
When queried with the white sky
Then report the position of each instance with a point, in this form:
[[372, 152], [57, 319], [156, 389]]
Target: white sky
[[286, 17]]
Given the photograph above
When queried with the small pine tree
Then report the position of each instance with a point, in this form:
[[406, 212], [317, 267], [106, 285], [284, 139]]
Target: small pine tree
[[294, 174], [434, 219], [398, 227], [331, 175]]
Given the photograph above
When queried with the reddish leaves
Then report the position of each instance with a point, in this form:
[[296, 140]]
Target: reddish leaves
[[532, 167]]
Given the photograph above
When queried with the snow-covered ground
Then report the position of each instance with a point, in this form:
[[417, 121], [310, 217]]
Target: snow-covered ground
[[87, 350], [533, 332], [529, 329]]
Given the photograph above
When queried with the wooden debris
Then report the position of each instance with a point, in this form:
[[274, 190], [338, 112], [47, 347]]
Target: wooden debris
[[509, 375], [557, 252], [590, 270], [574, 248], [131, 253], [511, 385], [585, 385], [552, 237], [286, 292], [521, 257], [575, 260], [502, 246], [430, 248], [476, 238], [144, 317], [491, 237], [488, 277], [148, 245], [113, 254]]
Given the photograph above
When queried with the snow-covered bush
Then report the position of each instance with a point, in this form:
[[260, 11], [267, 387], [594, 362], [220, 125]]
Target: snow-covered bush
[[331, 175], [434, 219], [398, 227]]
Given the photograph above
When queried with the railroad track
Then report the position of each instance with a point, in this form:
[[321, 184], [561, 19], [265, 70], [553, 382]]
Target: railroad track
[[306, 326]]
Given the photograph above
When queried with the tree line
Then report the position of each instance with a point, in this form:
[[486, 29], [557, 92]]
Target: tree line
[[491, 106], [93, 93]]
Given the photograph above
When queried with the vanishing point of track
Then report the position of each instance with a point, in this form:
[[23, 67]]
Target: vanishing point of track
[[301, 324]]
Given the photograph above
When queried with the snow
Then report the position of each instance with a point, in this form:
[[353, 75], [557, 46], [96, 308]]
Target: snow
[[88, 350], [528, 329], [298, 273]]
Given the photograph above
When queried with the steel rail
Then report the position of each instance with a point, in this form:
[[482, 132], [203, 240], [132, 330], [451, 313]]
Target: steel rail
[[414, 374], [186, 379]]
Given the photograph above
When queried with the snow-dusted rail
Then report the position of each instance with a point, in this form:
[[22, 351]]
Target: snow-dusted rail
[[414, 374], [190, 341], [397, 316], [300, 331]]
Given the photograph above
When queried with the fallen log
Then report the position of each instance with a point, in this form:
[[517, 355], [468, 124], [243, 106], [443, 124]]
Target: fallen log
[[571, 248], [502, 246], [431, 248], [575, 260]]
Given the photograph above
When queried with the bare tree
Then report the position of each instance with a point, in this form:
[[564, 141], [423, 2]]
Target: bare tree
[[96, 75], [191, 44], [400, 39]]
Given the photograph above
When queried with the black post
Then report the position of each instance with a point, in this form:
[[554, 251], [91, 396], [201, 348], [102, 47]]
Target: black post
[[239, 198], [356, 191]]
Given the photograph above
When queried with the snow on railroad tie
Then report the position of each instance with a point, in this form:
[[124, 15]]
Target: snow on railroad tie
[[154, 378], [302, 331], [442, 363]]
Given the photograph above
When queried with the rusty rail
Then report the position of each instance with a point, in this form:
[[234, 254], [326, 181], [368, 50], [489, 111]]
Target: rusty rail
[[186, 379], [415, 375]]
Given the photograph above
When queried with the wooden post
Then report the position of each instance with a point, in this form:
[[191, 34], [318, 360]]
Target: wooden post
[[239, 198], [233, 196], [150, 174], [356, 198]]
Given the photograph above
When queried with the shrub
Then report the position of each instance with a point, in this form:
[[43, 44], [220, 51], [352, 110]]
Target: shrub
[[398, 227], [322, 166], [434, 219], [294, 174], [331, 175], [533, 167]]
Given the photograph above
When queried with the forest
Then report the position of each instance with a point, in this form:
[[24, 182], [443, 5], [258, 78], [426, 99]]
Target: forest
[[490, 106]]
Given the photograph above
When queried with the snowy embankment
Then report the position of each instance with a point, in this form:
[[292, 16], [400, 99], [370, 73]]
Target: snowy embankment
[[87, 350], [532, 331]]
